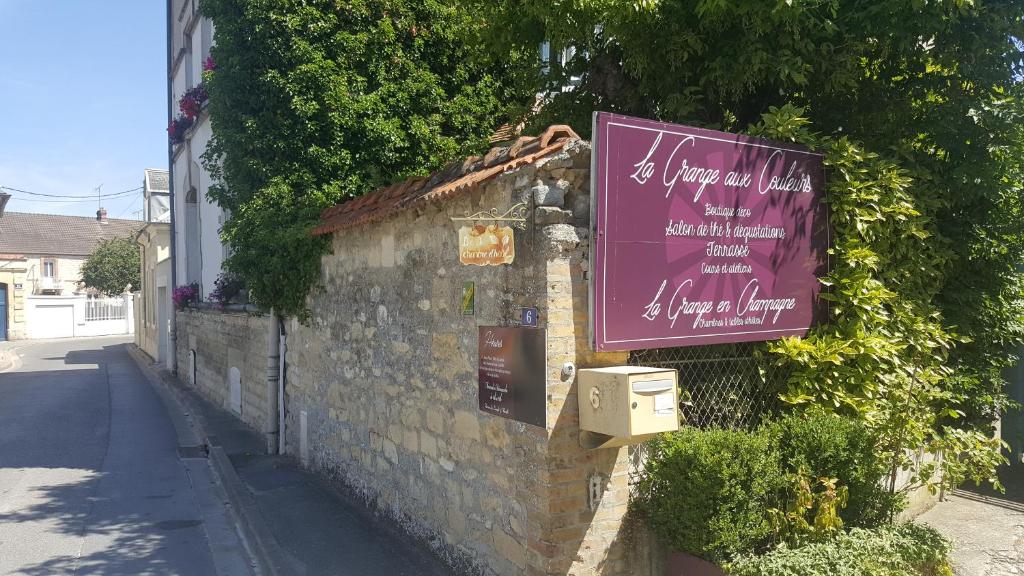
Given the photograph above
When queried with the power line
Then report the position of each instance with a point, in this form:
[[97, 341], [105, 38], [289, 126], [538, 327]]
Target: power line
[[85, 197], [93, 199], [130, 205]]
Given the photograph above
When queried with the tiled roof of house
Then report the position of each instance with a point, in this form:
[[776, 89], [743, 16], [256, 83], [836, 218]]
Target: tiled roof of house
[[53, 234], [157, 180], [457, 178]]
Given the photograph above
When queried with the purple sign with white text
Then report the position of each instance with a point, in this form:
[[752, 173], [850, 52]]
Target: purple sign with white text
[[703, 237]]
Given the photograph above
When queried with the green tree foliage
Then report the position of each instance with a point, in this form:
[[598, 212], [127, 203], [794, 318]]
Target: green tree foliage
[[918, 107], [316, 101], [113, 266]]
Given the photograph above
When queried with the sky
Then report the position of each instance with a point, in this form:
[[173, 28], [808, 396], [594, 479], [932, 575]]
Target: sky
[[83, 101]]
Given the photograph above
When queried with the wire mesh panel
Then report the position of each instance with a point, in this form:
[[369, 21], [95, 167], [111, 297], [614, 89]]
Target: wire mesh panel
[[723, 386], [726, 386]]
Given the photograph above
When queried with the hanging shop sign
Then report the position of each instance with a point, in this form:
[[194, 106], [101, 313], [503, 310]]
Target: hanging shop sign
[[511, 373], [490, 240], [702, 237], [491, 245]]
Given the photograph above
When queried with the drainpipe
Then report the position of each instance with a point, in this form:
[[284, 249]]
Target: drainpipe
[[283, 364], [170, 177], [273, 382]]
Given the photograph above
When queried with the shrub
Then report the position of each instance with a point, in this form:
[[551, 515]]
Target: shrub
[[830, 446], [812, 509], [905, 550], [719, 494], [707, 491]]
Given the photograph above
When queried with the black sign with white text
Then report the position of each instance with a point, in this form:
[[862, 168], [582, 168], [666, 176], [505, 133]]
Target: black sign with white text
[[511, 373]]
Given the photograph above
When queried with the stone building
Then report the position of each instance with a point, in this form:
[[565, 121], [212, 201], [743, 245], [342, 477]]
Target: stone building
[[13, 272], [379, 390]]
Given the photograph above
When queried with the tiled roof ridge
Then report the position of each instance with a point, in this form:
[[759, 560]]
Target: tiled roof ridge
[[453, 179], [89, 218], [58, 234]]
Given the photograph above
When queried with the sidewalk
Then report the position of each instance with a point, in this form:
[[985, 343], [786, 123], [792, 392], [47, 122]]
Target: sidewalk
[[298, 524], [987, 531]]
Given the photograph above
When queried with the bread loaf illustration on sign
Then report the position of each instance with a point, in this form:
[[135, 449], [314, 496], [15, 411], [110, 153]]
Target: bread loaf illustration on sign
[[491, 245]]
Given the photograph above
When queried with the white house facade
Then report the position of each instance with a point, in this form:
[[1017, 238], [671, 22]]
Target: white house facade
[[198, 251]]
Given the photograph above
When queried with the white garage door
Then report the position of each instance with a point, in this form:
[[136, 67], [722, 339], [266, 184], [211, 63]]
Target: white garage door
[[53, 321]]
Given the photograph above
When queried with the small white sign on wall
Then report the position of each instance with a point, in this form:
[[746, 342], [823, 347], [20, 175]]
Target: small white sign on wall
[[235, 390]]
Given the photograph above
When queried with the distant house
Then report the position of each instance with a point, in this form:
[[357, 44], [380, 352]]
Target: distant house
[[42, 254], [154, 309], [156, 193]]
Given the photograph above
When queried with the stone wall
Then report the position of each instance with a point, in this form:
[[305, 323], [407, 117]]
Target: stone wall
[[224, 340], [12, 273], [381, 386]]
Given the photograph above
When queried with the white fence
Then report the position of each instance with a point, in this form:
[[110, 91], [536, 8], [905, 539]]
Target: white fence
[[76, 316], [104, 309]]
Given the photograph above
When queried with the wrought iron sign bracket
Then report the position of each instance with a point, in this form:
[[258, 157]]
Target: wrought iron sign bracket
[[514, 216]]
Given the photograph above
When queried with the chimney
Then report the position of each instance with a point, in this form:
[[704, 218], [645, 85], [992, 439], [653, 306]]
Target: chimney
[[101, 215]]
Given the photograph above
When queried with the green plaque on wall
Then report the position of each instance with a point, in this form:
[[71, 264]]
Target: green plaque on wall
[[468, 306]]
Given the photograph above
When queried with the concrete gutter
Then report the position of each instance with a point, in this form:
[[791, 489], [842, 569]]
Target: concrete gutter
[[262, 548]]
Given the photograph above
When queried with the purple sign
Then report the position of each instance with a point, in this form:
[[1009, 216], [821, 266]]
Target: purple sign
[[702, 237]]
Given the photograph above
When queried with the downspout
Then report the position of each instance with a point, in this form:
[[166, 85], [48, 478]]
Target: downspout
[[170, 176], [281, 406], [273, 383]]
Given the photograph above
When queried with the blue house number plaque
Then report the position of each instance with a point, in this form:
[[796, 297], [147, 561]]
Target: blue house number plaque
[[529, 317]]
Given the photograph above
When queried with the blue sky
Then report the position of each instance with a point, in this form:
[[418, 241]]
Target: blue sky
[[82, 100]]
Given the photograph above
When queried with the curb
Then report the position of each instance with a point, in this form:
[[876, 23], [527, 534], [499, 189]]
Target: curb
[[260, 544]]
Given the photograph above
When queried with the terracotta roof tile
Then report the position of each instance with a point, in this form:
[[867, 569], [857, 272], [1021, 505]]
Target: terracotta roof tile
[[454, 179], [504, 133]]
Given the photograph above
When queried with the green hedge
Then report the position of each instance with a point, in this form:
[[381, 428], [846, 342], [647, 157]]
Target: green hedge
[[835, 447], [905, 550], [709, 492]]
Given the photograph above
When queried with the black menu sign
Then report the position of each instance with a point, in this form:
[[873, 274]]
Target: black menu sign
[[512, 374]]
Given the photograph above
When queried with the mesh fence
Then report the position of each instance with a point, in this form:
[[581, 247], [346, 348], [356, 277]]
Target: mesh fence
[[723, 386]]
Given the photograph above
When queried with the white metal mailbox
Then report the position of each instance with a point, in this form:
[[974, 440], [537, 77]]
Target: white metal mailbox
[[626, 404]]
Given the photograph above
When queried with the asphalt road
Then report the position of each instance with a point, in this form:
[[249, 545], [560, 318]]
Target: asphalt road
[[90, 478]]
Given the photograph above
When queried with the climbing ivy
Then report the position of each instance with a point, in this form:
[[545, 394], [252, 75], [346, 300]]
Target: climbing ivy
[[884, 354], [316, 101], [918, 107]]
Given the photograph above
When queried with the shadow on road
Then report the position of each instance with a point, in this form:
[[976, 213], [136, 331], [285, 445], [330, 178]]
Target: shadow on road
[[1012, 478], [120, 543], [89, 475]]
